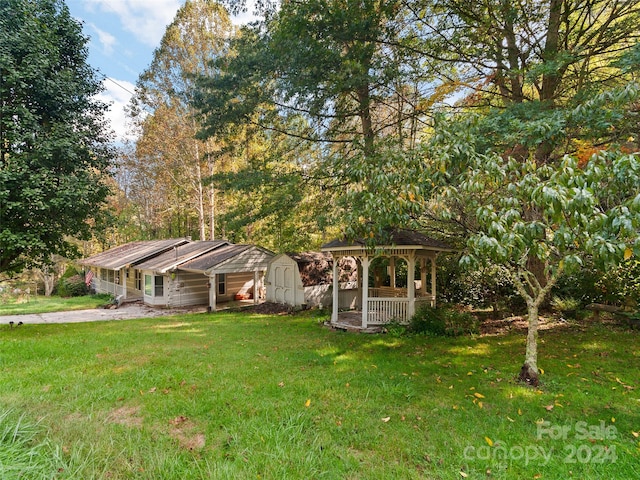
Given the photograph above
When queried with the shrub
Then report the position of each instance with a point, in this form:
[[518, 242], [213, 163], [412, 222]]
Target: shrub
[[567, 306], [479, 288], [73, 286], [443, 321]]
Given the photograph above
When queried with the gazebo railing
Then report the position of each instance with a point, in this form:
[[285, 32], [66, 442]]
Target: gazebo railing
[[384, 310], [381, 310]]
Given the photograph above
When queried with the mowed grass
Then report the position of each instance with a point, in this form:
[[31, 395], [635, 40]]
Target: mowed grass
[[42, 304], [246, 396]]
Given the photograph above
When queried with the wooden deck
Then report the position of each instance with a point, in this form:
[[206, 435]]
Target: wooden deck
[[351, 321]]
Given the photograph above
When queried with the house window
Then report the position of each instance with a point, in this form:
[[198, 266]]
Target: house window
[[111, 275], [103, 274], [138, 280], [148, 285], [159, 287], [222, 283]]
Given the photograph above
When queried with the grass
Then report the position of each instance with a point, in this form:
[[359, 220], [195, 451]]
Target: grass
[[42, 304], [241, 396]]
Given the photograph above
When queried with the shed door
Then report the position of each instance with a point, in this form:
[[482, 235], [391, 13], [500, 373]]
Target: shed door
[[285, 284]]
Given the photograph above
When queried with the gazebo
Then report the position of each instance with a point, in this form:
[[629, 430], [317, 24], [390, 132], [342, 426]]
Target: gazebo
[[393, 278]]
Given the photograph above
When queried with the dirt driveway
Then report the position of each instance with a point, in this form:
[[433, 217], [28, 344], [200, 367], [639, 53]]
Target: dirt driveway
[[125, 312]]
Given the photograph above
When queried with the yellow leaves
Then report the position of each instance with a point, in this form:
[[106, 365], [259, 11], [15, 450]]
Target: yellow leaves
[[628, 253], [519, 412], [386, 419], [635, 434], [307, 403], [541, 371], [489, 441], [463, 474], [476, 398]]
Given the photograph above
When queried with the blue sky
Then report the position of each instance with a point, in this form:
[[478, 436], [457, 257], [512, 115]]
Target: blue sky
[[123, 35]]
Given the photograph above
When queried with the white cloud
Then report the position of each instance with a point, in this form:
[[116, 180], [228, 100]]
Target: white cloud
[[107, 40], [146, 19], [117, 95]]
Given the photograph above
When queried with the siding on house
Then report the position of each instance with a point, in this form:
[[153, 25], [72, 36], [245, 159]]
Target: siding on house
[[236, 283], [187, 289]]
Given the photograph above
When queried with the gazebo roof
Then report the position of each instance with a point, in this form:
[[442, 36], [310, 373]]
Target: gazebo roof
[[397, 238]]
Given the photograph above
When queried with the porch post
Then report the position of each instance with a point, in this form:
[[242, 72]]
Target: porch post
[[433, 281], [213, 288], [336, 288], [256, 289], [423, 276], [365, 290], [123, 276], [411, 285]]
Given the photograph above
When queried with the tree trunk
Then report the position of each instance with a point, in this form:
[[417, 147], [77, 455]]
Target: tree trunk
[[529, 371]]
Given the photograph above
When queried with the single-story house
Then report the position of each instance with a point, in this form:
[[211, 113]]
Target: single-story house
[[182, 273], [115, 270], [234, 272], [395, 276]]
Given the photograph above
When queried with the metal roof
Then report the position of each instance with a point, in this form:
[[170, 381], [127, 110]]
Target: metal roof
[[132, 253], [180, 254], [209, 260], [399, 237]]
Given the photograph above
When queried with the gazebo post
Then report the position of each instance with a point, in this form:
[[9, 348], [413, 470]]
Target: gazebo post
[[433, 281], [336, 288], [365, 290], [392, 271], [423, 276], [411, 286]]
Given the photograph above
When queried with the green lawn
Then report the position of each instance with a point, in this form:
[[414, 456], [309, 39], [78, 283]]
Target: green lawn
[[240, 396], [42, 304]]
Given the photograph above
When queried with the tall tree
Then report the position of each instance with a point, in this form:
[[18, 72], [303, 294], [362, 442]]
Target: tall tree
[[340, 65], [529, 63], [54, 144], [168, 152]]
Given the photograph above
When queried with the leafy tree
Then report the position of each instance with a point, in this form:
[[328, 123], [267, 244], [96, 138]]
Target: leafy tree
[[590, 211], [54, 144], [169, 159], [529, 64]]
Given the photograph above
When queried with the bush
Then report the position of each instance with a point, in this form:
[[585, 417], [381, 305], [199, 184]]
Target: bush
[[567, 306], [479, 288], [73, 286], [443, 321]]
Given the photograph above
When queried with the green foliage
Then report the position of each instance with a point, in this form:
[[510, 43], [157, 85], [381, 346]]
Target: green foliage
[[621, 284], [581, 284], [488, 286], [70, 272], [73, 286], [443, 321], [54, 145], [566, 305]]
